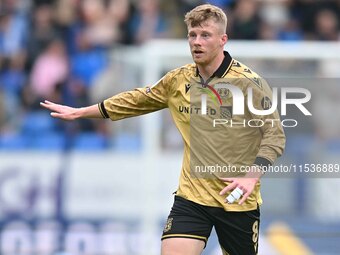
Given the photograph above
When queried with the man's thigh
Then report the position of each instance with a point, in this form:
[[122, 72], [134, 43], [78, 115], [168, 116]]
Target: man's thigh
[[182, 246], [189, 224], [238, 231]]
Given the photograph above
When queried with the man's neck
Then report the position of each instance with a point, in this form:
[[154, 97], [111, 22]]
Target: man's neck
[[206, 71]]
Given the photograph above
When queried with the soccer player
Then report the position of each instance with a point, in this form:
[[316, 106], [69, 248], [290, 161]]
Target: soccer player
[[202, 98]]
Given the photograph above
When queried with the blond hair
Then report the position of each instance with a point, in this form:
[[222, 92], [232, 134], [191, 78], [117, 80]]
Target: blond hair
[[202, 13]]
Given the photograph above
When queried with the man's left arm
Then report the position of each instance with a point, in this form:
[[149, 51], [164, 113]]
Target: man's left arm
[[271, 146], [273, 137]]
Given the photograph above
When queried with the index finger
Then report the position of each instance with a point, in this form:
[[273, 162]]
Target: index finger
[[228, 188]]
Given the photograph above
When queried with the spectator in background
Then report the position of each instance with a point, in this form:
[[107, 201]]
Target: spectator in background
[[98, 29], [12, 81], [303, 11], [65, 15], [98, 24], [276, 22], [174, 17], [50, 71], [13, 37], [147, 22], [43, 31], [315, 15], [291, 31], [326, 26], [13, 34], [118, 14], [245, 21]]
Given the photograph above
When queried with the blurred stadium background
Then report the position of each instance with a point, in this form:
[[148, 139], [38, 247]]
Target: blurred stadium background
[[103, 188]]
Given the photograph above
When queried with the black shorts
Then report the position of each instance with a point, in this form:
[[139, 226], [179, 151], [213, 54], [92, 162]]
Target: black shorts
[[237, 232]]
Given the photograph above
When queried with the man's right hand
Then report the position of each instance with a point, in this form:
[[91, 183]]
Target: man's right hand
[[70, 113], [61, 111]]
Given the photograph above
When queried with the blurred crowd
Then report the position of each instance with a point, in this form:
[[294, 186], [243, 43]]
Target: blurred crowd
[[55, 50]]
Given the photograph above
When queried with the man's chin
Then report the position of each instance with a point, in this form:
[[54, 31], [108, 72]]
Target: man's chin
[[199, 61]]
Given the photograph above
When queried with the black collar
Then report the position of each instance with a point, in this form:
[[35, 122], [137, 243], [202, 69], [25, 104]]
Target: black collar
[[223, 68]]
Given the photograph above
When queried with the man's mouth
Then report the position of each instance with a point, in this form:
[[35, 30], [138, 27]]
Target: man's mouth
[[198, 52]]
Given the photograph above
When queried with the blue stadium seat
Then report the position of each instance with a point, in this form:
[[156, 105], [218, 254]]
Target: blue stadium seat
[[90, 141], [48, 141], [36, 123], [127, 142], [13, 142]]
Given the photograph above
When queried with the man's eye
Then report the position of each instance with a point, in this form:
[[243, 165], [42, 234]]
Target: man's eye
[[205, 35], [192, 36]]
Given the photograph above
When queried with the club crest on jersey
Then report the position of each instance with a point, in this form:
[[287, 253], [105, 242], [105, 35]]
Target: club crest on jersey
[[168, 225], [266, 103], [223, 92]]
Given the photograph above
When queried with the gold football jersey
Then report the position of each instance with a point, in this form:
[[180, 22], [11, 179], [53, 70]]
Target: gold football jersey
[[222, 136]]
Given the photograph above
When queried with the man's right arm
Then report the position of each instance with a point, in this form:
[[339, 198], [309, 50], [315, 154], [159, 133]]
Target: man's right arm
[[124, 105]]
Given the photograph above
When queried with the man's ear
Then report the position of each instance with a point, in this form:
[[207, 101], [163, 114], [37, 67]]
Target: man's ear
[[224, 39]]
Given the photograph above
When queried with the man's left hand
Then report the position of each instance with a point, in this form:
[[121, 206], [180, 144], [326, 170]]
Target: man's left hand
[[246, 184]]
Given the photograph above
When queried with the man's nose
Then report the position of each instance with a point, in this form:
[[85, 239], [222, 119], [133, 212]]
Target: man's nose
[[197, 40]]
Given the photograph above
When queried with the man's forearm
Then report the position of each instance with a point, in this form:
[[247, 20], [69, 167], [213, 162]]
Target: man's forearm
[[89, 112]]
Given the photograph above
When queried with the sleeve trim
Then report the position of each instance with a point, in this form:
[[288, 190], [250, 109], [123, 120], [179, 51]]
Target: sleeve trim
[[103, 110], [262, 162]]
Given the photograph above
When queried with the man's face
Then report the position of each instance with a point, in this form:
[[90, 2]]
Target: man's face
[[206, 42]]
